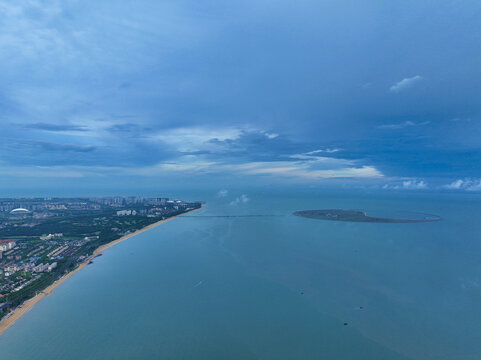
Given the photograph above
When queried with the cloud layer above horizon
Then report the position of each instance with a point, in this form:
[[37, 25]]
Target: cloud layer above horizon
[[226, 92]]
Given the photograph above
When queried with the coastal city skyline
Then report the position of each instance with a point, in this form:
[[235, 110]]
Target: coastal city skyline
[[323, 93], [43, 241]]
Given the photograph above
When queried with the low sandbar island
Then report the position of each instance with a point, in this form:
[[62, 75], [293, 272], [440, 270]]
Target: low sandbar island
[[358, 216]]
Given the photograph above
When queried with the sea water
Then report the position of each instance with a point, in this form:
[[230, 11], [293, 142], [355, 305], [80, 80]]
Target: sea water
[[274, 286]]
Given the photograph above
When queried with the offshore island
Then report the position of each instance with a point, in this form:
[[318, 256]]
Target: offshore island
[[358, 216], [44, 241]]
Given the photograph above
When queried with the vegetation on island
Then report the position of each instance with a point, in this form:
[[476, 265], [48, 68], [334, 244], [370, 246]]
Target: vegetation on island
[[357, 216]]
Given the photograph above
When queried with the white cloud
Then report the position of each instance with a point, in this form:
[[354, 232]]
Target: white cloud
[[405, 84], [467, 184], [457, 184], [306, 170], [270, 135], [240, 200], [414, 184], [222, 193], [328, 151], [408, 185], [309, 170], [402, 125]]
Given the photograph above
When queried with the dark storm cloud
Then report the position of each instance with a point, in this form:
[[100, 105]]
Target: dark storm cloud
[[141, 83], [49, 146], [55, 127]]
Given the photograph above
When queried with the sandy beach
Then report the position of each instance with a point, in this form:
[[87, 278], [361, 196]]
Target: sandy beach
[[27, 305]]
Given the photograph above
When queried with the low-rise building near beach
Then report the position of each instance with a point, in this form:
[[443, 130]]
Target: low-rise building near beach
[[6, 245]]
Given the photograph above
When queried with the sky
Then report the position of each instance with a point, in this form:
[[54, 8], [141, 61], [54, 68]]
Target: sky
[[145, 94]]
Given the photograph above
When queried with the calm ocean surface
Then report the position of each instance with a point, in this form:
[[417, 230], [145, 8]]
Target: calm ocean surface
[[275, 287]]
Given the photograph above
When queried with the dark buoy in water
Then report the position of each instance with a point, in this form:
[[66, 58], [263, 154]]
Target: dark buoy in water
[[361, 307], [302, 292], [345, 324]]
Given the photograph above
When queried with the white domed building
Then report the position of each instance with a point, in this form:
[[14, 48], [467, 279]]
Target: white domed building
[[19, 211]]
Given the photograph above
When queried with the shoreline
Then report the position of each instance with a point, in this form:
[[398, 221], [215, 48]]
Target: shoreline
[[16, 314]]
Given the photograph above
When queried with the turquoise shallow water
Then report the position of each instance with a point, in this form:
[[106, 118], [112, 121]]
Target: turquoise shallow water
[[274, 287]]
